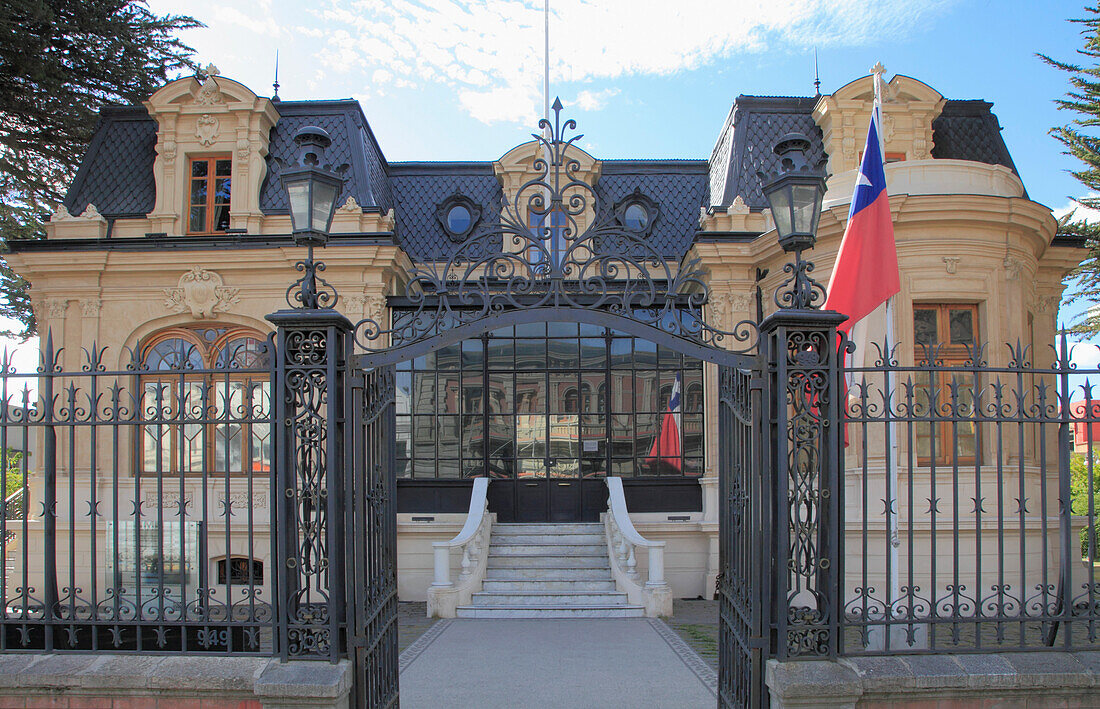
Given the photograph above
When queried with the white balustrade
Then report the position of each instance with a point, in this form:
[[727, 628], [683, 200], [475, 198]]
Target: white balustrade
[[622, 540], [444, 596]]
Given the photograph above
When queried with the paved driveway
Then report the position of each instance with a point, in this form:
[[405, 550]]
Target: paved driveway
[[554, 663]]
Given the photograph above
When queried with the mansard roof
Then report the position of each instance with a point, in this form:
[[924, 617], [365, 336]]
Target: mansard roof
[[965, 130], [117, 172]]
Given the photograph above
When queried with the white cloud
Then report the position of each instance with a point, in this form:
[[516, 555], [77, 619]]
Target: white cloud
[[490, 52], [594, 100], [1079, 213]]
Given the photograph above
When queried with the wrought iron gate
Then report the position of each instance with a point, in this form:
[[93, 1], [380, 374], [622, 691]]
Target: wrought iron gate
[[742, 516], [372, 533]]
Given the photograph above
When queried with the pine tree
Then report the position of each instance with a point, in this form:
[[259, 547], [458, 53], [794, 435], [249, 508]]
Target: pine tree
[[60, 62]]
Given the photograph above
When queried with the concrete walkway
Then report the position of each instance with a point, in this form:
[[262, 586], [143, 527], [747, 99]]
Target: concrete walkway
[[554, 663]]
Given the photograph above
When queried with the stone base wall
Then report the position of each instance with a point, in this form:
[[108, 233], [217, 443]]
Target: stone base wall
[[105, 681], [1033, 680]]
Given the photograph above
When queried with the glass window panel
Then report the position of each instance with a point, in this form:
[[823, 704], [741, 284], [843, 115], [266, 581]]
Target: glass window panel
[[473, 354], [593, 467], [530, 394], [449, 356], [199, 168], [450, 393], [221, 190], [500, 394], [450, 442], [323, 197], [426, 361], [693, 433], [500, 354], [593, 433], [458, 219], [622, 468], [403, 398], [647, 427], [473, 436], [587, 330], [221, 217], [804, 206], [562, 354], [646, 392], [961, 324], [403, 467], [780, 203], [593, 353], [591, 388], [501, 446], [243, 353], [403, 429], [530, 354], [645, 354], [423, 445], [531, 435], [423, 392], [197, 219], [925, 331], [531, 468], [693, 467], [622, 435], [531, 329], [174, 354], [622, 392], [198, 192], [564, 394], [562, 329], [564, 468], [667, 358], [621, 352], [223, 167], [473, 395]]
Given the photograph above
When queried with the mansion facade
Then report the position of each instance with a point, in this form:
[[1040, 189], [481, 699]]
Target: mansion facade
[[174, 243]]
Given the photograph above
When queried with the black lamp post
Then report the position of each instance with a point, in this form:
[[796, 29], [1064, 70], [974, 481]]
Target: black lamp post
[[795, 192], [312, 188]]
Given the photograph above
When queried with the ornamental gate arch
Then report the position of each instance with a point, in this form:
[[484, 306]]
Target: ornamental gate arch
[[334, 386]]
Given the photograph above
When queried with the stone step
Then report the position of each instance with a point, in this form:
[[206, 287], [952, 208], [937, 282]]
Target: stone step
[[539, 561], [545, 584], [579, 611], [560, 549], [512, 573], [548, 539], [549, 598], [548, 528]]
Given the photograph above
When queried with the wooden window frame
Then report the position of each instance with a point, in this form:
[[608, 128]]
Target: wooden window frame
[[947, 355], [211, 176], [176, 379]]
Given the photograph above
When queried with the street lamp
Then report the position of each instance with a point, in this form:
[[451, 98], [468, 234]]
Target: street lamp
[[795, 192], [312, 188]]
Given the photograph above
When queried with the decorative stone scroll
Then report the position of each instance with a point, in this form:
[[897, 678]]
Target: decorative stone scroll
[[202, 292]]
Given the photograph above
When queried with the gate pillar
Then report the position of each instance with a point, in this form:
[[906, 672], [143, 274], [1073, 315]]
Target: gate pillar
[[803, 443], [310, 392]]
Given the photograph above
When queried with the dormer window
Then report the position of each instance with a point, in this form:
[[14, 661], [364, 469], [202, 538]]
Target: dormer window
[[208, 198], [636, 213], [459, 215]]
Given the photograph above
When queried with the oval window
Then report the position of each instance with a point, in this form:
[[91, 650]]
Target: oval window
[[458, 219], [636, 217]]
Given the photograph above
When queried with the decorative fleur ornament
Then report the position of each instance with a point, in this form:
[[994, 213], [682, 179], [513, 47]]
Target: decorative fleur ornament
[[795, 192]]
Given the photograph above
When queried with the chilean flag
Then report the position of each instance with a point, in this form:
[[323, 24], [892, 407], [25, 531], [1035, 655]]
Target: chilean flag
[[866, 272], [666, 447]]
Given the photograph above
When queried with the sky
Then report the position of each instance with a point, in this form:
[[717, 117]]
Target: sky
[[462, 80]]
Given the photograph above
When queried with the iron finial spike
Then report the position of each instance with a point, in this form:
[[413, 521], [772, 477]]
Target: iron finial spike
[[275, 84], [817, 75]]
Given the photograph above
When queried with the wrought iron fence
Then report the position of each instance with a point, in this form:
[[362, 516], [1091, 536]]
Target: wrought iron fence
[[142, 523], [968, 501]]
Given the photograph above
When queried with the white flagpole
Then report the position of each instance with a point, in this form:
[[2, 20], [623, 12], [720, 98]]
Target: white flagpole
[[891, 455]]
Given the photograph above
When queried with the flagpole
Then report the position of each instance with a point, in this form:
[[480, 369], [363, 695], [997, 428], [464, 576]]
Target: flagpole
[[892, 539]]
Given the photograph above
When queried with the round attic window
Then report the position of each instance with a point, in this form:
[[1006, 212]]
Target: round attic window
[[636, 217], [458, 219]]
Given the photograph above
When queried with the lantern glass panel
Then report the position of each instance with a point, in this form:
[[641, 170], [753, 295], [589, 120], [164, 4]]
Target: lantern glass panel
[[780, 201], [804, 208], [324, 195], [298, 194]]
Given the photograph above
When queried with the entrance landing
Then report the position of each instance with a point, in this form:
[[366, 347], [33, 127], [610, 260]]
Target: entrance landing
[[554, 663]]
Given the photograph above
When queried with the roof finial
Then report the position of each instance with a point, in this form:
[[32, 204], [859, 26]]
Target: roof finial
[[817, 75], [275, 84]]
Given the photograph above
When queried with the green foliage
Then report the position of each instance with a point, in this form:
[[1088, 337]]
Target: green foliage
[[1081, 139], [13, 471], [1079, 496], [60, 62]]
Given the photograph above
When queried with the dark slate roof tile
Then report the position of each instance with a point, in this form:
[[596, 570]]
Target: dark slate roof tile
[[968, 130], [116, 174], [419, 188], [679, 187], [353, 144]]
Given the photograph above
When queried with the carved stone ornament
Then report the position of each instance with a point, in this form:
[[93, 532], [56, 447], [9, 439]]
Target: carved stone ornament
[[206, 129], [202, 292], [738, 206], [61, 214], [90, 212], [350, 205], [1013, 268], [209, 94], [951, 263], [89, 307], [55, 307]]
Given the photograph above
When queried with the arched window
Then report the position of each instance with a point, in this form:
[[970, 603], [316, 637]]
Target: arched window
[[205, 401]]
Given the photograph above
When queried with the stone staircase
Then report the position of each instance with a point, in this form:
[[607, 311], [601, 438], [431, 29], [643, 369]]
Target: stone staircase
[[549, 571]]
